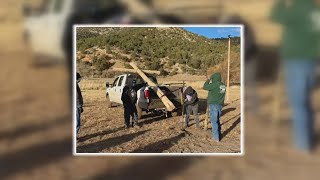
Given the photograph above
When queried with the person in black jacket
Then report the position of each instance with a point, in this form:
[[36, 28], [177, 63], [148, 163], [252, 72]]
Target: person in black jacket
[[129, 100], [127, 105], [191, 105], [79, 102]]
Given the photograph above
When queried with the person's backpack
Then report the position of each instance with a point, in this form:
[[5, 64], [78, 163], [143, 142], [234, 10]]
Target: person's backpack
[[133, 95]]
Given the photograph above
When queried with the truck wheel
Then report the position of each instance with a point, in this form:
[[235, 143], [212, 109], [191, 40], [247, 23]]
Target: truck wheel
[[109, 103], [139, 112]]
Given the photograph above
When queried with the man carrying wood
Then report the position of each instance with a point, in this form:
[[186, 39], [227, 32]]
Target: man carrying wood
[[216, 95]]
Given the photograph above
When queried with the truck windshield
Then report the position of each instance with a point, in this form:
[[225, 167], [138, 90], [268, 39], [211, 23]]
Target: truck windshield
[[139, 80]]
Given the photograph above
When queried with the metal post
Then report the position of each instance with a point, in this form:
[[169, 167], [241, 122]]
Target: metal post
[[94, 56], [228, 75], [186, 67]]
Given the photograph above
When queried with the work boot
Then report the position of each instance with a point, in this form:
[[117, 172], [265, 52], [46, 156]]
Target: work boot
[[126, 126]]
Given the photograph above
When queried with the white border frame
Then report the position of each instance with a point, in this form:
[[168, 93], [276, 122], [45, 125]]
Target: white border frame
[[242, 152]]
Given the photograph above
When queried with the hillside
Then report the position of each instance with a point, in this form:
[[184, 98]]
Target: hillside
[[167, 49]]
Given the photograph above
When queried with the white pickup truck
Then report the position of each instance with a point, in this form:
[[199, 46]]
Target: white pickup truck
[[147, 99], [48, 27]]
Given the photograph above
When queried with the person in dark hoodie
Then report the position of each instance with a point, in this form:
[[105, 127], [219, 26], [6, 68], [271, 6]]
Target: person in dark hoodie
[[216, 97], [79, 102], [300, 52], [129, 100], [191, 105], [127, 105]]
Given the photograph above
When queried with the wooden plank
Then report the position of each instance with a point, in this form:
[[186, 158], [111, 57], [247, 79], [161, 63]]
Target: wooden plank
[[206, 120], [134, 71], [169, 105]]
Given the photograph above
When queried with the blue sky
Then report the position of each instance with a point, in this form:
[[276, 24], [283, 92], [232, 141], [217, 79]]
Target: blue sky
[[215, 32]]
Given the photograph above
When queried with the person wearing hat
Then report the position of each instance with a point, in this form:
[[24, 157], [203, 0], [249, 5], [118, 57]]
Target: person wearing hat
[[79, 103]]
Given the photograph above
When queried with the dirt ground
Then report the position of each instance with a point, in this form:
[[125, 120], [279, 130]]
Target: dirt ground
[[103, 130]]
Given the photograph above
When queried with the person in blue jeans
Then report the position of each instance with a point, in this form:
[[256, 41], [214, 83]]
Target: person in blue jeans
[[216, 94], [79, 103], [300, 75], [300, 50]]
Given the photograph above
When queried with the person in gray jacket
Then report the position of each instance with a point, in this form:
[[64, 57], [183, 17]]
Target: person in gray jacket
[[191, 105]]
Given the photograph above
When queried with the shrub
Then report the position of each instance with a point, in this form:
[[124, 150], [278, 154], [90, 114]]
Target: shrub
[[126, 65], [163, 72], [101, 63], [172, 73]]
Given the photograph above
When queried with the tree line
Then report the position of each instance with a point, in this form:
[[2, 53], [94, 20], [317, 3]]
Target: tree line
[[150, 45]]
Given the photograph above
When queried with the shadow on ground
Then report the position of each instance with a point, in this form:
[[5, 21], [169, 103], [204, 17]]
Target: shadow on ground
[[34, 157], [150, 168], [89, 136], [234, 124], [105, 144], [34, 128], [160, 146], [151, 118], [225, 111]]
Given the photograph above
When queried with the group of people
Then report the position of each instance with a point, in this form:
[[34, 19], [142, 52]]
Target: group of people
[[216, 96]]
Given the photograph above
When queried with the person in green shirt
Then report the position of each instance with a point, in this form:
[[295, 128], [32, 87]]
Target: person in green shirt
[[216, 96], [299, 51]]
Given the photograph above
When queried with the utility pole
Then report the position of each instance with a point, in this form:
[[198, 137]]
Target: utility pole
[[92, 71], [228, 75], [94, 56], [186, 67]]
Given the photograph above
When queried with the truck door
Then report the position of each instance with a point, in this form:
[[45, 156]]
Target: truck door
[[59, 14], [45, 30], [36, 28], [112, 92], [119, 88]]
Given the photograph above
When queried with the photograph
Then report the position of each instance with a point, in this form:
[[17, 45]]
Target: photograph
[[158, 90], [130, 89]]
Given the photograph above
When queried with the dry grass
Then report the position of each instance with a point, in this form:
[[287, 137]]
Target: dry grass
[[93, 84]]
